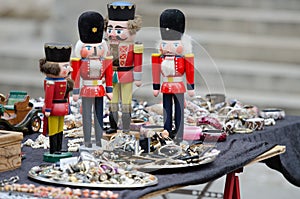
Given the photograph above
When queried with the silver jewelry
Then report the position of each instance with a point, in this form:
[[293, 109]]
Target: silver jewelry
[[274, 113]]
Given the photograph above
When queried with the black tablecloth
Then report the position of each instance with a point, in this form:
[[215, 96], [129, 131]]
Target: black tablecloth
[[236, 151], [286, 132]]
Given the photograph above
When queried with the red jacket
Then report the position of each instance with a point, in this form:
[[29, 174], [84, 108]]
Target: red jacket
[[92, 85], [173, 81], [130, 62], [55, 101]]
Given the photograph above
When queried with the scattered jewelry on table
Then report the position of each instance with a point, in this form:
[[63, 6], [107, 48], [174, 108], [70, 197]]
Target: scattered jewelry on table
[[90, 171], [30, 191], [11, 180], [74, 144], [40, 142], [275, 113]]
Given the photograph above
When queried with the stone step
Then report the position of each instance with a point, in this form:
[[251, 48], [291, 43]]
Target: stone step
[[228, 19], [287, 101], [235, 46], [259, 4], [30, 81], [31, 9], [21, 55], [218, 44], [249, 47], [263, 76], [258, 83], [18, 29], [219, 74]]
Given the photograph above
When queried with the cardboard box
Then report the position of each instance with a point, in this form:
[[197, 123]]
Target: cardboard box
[[10, 150]]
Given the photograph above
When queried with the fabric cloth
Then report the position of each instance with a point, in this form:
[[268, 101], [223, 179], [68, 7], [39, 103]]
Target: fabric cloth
[[236, 152], [286, 132]]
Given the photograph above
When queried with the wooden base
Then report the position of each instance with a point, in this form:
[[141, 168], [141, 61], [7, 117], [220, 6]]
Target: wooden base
[[48, 157]]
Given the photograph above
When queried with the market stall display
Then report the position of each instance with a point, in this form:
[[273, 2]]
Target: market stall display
[[89, 171]]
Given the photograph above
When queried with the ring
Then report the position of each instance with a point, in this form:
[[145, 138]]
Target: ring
[[255, 123], [275, 113]]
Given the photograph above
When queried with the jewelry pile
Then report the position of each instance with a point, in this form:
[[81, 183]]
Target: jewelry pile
[[90, 171], [167, 156], [30, 191], [213, 112]]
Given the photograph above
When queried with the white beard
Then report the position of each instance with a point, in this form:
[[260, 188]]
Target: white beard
[[95, 68], [168, 67]]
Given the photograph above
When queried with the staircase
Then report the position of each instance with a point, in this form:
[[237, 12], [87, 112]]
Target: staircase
[[247, 49], [23, 29]]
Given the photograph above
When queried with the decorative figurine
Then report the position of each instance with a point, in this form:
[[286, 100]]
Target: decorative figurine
[[57, 85], [121, 29], [94, 66], [174, 60]]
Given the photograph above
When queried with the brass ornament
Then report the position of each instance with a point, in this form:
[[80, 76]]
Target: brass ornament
[[94, 29]]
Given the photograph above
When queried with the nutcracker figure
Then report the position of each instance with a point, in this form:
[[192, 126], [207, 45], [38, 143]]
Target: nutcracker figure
[[172, 62], [57, 85], [95, 66], [121, 28]]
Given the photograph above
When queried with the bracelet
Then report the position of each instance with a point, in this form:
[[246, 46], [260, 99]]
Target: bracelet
[[213, 135], [242, 130], [251, 110], [11, 180], [275, 113], [209, 121], [255, 123]]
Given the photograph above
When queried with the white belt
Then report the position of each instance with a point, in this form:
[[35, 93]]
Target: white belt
[[172, 79], [92, 82]]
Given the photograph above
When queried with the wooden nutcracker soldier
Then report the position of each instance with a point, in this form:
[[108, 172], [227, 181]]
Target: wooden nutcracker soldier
[[121, 29], [94, 66], [57, 85], [173, 61]]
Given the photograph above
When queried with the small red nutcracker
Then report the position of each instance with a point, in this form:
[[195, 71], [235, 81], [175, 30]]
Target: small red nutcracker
[[173, 61], [94, 67], [57, 85], [127, 55]]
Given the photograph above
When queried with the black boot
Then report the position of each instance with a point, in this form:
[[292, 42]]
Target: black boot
[[53, 143], [113, 119], [172, 134], [59, 141]]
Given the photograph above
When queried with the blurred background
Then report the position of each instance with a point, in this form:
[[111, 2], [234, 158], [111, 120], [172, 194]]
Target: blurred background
[[249, 50]]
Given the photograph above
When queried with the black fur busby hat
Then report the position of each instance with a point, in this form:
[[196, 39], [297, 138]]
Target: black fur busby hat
[[121, 11], [90, 26], [172, 24], [58, 52]]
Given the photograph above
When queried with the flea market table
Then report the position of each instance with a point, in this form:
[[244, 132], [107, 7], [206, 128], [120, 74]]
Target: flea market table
[[236, 152]]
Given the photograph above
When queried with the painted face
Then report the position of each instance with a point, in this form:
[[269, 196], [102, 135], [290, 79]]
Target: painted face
[[117, 31], [92, 50], [65, 69], [171, 47]]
